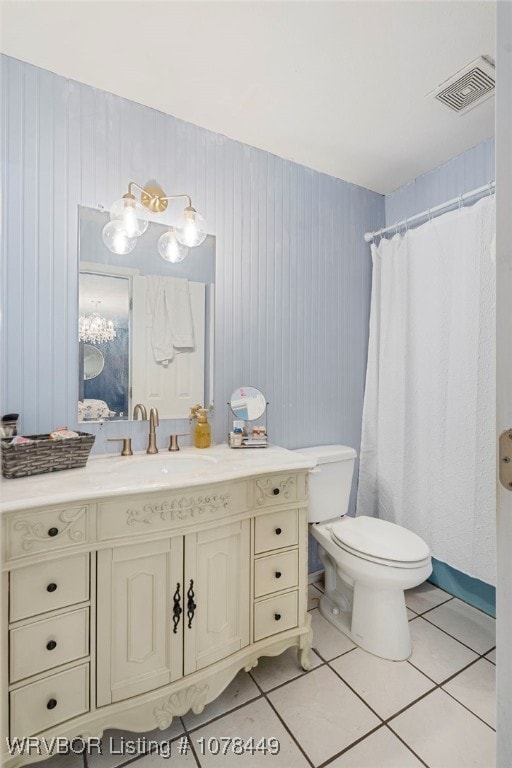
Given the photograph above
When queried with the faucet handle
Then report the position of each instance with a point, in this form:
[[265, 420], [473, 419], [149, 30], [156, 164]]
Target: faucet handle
[[127, 444], [173, 440]]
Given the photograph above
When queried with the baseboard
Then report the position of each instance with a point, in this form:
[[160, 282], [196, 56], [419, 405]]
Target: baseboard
[[315, 576], [473, 591]]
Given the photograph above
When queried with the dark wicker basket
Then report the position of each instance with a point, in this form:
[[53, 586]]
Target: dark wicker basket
[[45, 455]]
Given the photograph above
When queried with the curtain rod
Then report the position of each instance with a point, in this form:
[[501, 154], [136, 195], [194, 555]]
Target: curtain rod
[[430, 212]]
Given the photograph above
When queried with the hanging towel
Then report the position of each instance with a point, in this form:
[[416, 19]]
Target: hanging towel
[[179, 309], [170, 309]]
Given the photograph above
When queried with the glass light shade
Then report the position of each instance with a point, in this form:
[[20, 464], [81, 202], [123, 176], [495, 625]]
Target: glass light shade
[[116, 238], [192, 229], [131, 214], [170, 249]]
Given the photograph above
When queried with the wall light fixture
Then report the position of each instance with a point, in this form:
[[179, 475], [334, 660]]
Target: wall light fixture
[[128, 221]]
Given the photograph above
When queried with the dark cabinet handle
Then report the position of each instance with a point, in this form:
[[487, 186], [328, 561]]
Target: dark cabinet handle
[[51, 645], [52, 703], [278, 531], [177, 609], [276, 491], [53, 531], [51, 587], [191, 606], [278, 574], [277, 616]]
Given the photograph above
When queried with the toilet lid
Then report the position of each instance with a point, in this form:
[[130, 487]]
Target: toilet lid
[[378, 538]]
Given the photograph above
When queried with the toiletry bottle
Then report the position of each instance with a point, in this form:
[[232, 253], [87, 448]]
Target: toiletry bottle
[[202, 430]]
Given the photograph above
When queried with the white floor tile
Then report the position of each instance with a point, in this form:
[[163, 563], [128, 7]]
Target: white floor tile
[[386, 686], [425, 597], [410, 614], [465, 623], [322, 713], [491, 656], [475, 687], [275, 670], [435, 653], [445, 735], [115, 744], [240, 690], [381, 749], [314, 596], [180, 754], [327, 640], [255, 721]]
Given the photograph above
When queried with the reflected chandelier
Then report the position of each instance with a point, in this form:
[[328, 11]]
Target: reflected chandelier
[[128, 221], [94, 328]]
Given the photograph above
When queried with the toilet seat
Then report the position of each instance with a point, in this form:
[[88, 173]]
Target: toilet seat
[[379, 541]]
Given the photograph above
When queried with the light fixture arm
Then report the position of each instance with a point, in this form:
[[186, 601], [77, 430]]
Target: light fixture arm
[[153, 197]]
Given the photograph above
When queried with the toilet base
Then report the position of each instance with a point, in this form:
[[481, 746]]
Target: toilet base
[[377, 623]]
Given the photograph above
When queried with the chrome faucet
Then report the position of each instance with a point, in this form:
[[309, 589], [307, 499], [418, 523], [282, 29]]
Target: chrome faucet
[[139, 408], [153, 424]]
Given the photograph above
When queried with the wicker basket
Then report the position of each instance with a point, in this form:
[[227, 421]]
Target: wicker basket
[[45, 455]]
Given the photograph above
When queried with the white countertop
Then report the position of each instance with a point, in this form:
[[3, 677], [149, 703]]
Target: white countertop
[[114, 475]]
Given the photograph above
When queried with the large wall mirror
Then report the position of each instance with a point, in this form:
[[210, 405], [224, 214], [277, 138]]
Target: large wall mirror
[[146, 326]]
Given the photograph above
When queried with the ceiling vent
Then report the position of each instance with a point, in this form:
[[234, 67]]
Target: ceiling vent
[[469, 87]]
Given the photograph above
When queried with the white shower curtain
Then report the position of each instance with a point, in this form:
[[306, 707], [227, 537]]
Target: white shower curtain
[[428, 441]]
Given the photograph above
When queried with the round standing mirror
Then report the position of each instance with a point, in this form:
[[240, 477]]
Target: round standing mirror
[[93, 362], [248, 403]]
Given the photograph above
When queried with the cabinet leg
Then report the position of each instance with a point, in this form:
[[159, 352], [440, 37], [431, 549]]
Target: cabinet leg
[[305, 643]]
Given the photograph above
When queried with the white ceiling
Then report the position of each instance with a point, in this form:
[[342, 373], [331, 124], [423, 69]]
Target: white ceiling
[[337, 86]]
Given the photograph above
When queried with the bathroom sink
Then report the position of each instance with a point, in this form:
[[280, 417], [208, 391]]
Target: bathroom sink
[[161, 466]]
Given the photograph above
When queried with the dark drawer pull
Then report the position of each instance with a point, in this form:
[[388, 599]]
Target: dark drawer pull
[[278, 574], [278, 531], [53, 531], [51, 645], [276, 491], [277, 616], [51, 587], [52, 703]]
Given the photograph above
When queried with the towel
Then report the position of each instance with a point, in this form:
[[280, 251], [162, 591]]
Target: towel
[[172, 325]]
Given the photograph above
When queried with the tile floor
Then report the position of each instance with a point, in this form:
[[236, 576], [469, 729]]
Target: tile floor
[[352, 709]]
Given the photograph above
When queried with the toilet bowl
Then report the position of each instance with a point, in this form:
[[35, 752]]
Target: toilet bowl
[[368, 562]]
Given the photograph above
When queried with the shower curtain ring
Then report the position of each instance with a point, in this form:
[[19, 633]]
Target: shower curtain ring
[[429, 214], [460, 201], [406, 224], [490, 188]]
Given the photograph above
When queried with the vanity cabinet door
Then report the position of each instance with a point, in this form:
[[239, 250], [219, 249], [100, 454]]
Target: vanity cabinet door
[[138, 649], [216, 603]]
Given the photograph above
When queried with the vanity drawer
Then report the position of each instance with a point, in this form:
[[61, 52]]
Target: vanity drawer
[[275, 531], [275, 615], [276, 572], [46, 531], [44, 644], [40, 705], [152, 513], [273, 490], [46, 586]]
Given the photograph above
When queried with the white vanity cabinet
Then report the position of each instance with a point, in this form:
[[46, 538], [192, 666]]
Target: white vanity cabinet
[[143, 606], [170, 607]]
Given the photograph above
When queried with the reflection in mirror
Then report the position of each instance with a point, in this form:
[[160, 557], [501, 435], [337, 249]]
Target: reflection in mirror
[[248, 403], [155, 321], [94, 362]]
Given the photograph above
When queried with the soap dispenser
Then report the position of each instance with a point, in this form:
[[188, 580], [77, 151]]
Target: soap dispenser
[[202, 430]]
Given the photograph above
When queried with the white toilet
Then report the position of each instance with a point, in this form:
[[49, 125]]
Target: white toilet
[[368, 562]]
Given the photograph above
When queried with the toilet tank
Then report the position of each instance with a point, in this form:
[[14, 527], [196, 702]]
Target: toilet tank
[[330, 482]]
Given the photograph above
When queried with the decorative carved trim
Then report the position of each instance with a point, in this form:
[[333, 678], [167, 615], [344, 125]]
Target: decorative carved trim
[[265, 488], [179, 704], [181, 509], [39, 531]]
